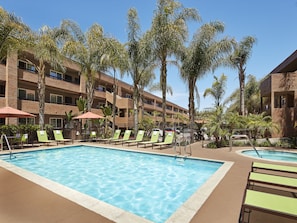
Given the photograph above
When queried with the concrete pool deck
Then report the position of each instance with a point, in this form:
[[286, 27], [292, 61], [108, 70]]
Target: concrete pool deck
[[24, 201]]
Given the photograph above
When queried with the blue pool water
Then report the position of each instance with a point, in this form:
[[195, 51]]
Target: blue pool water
[[273, 155], [150, 186]]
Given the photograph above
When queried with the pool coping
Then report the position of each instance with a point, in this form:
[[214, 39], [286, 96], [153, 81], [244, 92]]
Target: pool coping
[[184, 214]]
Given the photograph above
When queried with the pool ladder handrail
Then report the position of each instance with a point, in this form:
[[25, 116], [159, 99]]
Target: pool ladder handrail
[[187, 141], [7, 143], [249, 140]]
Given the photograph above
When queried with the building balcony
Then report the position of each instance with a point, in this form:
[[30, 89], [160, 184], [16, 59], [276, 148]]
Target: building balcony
[[121, 102], [124, 122]]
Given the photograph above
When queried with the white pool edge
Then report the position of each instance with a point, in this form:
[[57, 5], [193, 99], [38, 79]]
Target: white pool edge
[[187, 211], [184, 214]]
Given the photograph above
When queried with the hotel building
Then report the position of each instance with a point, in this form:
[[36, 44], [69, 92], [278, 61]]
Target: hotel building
[[279, 96], [18, 89]]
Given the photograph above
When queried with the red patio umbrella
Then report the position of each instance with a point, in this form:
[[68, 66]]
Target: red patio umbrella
[[7, 112], [88, 115]]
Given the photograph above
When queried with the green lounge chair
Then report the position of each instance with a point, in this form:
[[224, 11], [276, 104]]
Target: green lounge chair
[[93, 136], [154, 139], [138, 139], [274, 167], [126, 137], [116, 136], [60, 138], [268, 203], [43, 138], [24, 139], [273, 180], [168, 140]]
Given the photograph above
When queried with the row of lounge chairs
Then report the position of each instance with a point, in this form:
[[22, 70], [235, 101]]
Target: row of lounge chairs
[[58, 135], [139, 140], [278, 194]]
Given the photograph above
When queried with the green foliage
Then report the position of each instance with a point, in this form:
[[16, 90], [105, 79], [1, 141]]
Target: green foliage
[[11, 130], [222, 125], [13, 33], [146, 123], [238, 59], [217, 90], [259, 124], [216, 125], [81, 103], [49, 130]]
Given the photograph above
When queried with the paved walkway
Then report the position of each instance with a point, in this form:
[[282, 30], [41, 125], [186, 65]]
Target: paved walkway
[[22, 201]]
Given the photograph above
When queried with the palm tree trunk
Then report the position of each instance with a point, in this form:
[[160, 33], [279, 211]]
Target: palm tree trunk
[[241, 87], [191, 107], [164, 87], [135, 107], [114, 103], [41, 94], [90, 92]]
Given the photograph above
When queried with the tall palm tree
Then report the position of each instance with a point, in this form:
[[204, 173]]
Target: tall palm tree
[[168, 33], [140, 61], [115, 58], [252, 97], [13, 33], [203, 55], [45, 46], [87, 49], [217, 90], [241, 53]]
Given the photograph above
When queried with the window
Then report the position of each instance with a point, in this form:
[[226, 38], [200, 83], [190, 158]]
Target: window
[[122, 112], [56, 99], [284, 99], [76, 80], [100, 88], [2, 90], [26, 121], [159, 105], [56, 122], [68, 100], [26, 94], [56, 75], [168, 107], [26, 66], [68, 78], [128, 95]]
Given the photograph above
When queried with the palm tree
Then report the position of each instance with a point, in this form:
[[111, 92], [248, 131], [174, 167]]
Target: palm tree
[[215, 123], [217, 90], [81, 103], [140, 63], [168, 34], [260, 123], [13, 33], [251, 97], [87, 49], [203, 55], [115, 58], [45, 46], [107, 112], [238, 59]]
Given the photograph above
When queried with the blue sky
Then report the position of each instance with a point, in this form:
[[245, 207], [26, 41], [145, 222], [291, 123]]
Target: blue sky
[[272, 23]]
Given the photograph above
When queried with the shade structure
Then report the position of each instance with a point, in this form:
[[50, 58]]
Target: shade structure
[[88, 115], [7, 112]]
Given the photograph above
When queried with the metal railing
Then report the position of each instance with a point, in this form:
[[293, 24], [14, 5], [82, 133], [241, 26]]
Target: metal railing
[[3, 136]]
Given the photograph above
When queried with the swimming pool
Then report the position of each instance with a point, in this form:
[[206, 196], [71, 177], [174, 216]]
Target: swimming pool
[[151, 186], [274, 155]]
